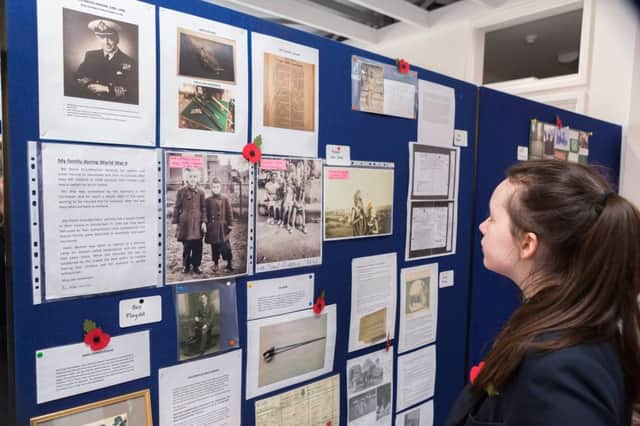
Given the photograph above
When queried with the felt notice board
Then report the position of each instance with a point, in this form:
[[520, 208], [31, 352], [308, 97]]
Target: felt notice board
[[503, 125], [371, 137]]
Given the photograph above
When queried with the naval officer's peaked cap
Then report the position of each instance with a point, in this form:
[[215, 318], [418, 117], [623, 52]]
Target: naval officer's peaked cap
[[104, 27]]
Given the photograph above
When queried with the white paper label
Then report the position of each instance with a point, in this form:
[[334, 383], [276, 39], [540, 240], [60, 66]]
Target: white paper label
[[460, 138], [75, 369], [141, 310], [523, 153], [446, 279], [338, 155]]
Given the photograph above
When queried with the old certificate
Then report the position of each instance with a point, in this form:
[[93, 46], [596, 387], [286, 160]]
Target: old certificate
[[317, 403]]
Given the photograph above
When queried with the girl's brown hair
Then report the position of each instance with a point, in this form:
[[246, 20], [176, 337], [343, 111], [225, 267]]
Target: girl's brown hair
[[587, 275]]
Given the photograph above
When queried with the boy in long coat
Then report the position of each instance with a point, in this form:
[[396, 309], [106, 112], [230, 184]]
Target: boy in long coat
[[189, 217], [219, 218]]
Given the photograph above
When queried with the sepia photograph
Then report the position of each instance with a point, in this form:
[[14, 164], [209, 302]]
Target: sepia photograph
[[198, 323], [206, 56], [100, 58], [549, 140], [292, 348], [289, 93], [288, 213], [206, 108], [358, 202], [132, 409], [417, 295], [365, 375], [207, 208], [371, 88], [363, 404]]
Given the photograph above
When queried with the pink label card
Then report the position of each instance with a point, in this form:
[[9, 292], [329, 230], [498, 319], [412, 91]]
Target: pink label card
[[338, 174], [184, 161], [273, 164]]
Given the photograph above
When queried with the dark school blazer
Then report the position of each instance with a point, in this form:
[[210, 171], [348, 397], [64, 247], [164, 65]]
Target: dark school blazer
[[582, 385]]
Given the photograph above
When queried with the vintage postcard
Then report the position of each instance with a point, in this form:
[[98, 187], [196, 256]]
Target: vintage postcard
[[358, 202]]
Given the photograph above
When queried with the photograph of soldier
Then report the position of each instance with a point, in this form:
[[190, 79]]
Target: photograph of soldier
[[289, 211], [205, 56], [206, 108], [222, 220], [358, 202], [100, 58], [198, 323]]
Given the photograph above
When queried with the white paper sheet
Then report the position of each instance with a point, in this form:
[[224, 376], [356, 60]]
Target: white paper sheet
[[100, 213], [418, 306], [373, 300], [370, 389], [399, 98], [64, 371], [446, 279], [277, 296], [436, 114], [422, 415], [83, 97], [202, 393], [200, 53], [283, 140], [416, 377], [302, 345], [317, 403]]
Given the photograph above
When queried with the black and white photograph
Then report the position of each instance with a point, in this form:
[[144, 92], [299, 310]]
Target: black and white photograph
[[206, 56], [288, 213], [198, 323], [100, 58], [363, 404], [206, 318], [412, 418], [363, 376], [207, 215], [358, 202], [291, 348], [417, 295]]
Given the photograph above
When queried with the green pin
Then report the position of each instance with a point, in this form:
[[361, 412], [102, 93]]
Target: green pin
[[39, 355]]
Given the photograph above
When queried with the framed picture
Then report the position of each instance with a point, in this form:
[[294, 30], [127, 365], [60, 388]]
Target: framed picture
[[124, 410]]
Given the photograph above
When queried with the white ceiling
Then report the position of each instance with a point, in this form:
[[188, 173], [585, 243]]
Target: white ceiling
[[358, 20]]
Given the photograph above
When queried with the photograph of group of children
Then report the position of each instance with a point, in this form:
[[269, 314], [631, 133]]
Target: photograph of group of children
[[289, 213], [358, 202], [207, 215]]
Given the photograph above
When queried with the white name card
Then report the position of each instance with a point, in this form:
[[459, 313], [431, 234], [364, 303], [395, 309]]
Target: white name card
[[141, 310]]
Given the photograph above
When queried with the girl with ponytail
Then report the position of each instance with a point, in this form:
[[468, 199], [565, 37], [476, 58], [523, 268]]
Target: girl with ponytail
[[570, 354]]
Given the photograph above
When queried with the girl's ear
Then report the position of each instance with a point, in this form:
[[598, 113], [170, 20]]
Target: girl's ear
[[528, 245]]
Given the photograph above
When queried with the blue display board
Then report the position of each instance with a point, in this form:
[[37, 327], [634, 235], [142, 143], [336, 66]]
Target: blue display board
[[503, 125], [371, 137]]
